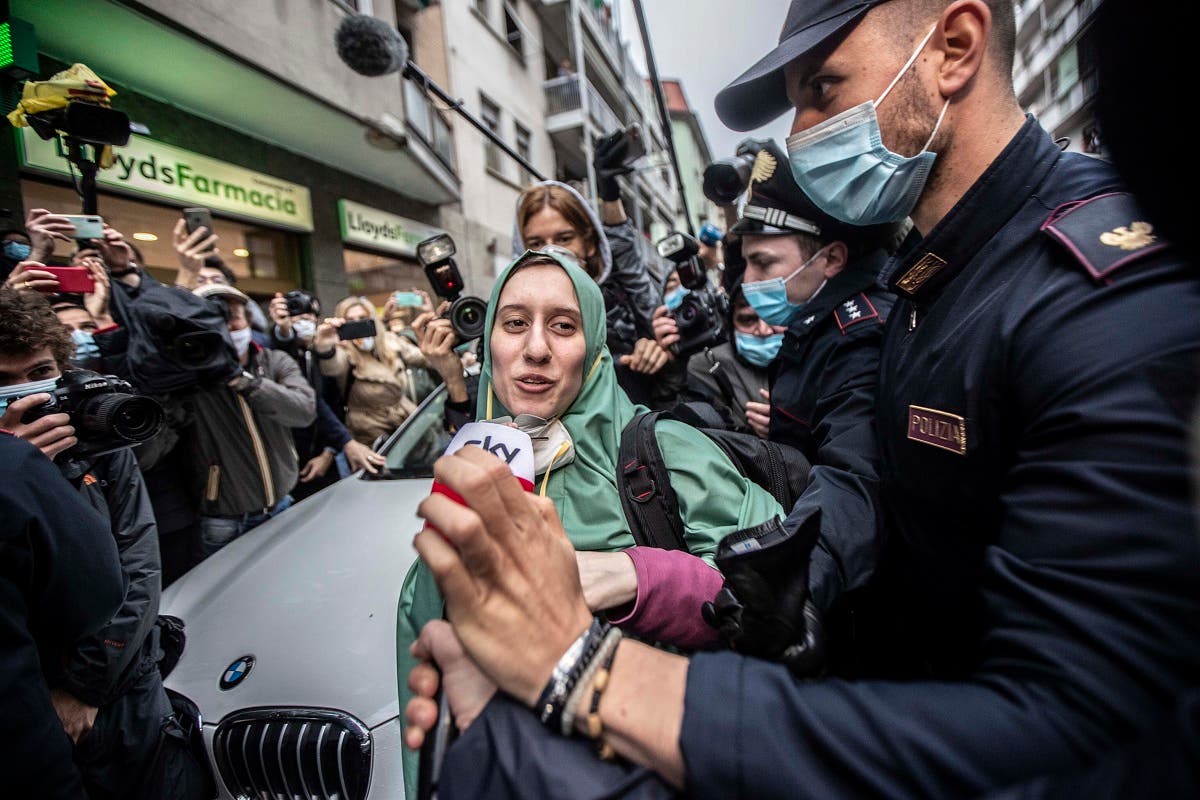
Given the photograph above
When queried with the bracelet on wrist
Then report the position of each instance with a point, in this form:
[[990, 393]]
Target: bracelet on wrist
[[601, 661], [595, 728], [552, 701]]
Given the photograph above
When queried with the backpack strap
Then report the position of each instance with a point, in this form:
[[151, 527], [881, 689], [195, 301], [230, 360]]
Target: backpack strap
[[649, 501]]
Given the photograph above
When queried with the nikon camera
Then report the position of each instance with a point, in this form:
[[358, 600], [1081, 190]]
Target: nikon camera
[[466, 313], [104, 411], [702, 316]]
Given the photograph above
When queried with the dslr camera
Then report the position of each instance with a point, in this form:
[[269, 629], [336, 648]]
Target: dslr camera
[[300, 302], [106, 413], [702, 316], [467, 314]]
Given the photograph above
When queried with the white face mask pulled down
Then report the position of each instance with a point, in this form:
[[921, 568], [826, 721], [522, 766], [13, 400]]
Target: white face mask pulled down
[[552, 445]]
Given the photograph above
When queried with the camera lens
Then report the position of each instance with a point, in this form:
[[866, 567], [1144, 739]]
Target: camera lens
[[123, 416], [467, 316], [686, 314]]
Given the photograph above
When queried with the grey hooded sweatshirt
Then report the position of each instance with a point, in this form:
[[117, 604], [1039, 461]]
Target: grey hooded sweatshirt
[[630, 292]]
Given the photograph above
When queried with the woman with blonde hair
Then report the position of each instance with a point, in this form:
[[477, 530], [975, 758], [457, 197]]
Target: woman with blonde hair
[[371, 372]]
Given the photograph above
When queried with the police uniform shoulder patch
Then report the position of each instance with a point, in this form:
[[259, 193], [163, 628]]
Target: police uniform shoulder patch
[[1103, 233], [858, 308]]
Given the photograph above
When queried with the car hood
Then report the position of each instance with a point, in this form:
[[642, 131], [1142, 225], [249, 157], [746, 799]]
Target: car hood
[[312, 595]]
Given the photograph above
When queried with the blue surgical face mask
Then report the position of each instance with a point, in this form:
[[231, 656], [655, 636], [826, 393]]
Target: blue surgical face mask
[[758, 350], [18, 390], [674, 298], [845, 169], [85, 347], [769, 298], [17, 251]]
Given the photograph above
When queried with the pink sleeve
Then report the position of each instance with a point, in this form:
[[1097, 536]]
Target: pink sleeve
[[672, 586]]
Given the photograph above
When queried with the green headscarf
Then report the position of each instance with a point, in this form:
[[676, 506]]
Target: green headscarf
[[585, 490], [714, 498]]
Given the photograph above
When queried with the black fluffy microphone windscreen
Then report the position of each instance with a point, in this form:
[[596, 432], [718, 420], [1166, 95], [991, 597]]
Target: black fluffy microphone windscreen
[[370, 46]]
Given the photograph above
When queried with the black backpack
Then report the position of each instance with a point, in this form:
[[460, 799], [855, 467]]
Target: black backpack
[[651, 508], [169, 338]]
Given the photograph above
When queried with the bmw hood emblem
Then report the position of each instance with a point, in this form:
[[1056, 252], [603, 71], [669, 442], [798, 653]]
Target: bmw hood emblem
[[236, 672]]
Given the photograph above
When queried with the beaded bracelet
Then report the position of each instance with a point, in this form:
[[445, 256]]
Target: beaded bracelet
[[595, 730], [603, 653], [570, 667]]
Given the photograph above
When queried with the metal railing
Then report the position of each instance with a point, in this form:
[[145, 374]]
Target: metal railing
[[563, 94], [428, 123]]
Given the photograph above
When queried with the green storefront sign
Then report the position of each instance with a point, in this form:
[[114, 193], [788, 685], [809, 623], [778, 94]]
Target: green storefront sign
[[380, 230], [153, 169]]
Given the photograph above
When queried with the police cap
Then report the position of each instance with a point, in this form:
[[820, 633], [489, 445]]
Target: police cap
[[775, 204], [759, 94]]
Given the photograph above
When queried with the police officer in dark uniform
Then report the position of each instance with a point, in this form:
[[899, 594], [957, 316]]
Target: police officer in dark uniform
[[1037, 379], [823, 379]]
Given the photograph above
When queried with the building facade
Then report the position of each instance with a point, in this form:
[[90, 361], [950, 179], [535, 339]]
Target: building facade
[[315, 175], [691, 147], [1055, 70]]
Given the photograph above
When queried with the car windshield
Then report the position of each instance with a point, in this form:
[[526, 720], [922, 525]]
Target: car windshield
[[416, 444]]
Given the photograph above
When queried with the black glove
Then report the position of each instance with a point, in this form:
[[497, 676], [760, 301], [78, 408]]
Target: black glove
[[763, 609], [609, 161]]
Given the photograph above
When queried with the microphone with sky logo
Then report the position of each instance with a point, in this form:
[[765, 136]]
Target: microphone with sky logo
[[514, 448]]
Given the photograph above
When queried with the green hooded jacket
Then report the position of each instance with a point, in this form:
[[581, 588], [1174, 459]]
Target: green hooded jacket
[[714, 498]]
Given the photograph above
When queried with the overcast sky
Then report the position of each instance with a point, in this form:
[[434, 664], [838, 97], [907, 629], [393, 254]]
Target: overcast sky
[[706, 44]]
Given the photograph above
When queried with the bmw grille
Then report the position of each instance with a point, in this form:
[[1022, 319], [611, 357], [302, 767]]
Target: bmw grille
[[288, 753]]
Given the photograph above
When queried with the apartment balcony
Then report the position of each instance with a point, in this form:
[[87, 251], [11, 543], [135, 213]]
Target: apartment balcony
[[564, 105], [428, 124]]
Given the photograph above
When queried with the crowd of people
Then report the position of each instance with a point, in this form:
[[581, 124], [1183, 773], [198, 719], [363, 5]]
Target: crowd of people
[[909, 513]]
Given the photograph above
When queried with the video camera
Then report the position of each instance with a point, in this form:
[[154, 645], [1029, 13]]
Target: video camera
[[702, 316], [726, 178], [467, 314], [106, 413]]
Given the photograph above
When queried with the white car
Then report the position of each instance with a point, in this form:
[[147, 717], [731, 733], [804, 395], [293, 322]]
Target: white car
[[289, 666]]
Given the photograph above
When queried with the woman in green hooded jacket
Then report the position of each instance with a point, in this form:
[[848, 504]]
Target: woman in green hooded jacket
[[547, 370]]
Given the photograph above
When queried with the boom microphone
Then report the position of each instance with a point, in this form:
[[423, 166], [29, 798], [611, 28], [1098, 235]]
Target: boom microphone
[[370, 46]]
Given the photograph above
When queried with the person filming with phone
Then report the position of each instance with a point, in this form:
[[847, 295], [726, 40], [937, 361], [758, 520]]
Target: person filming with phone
[[367, 362], [295, 317]]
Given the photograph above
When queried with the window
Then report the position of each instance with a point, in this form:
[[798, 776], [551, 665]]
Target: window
[[524, 151], [490, 114], [512, 28]]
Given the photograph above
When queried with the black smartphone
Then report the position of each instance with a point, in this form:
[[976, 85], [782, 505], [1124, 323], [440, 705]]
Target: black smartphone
[[196, 218], [360, 329]]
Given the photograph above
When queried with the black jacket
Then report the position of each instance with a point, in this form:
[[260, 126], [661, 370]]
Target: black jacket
[[105, 664], [1039, 593], [823, 389], [1038, 600], [59, 580]]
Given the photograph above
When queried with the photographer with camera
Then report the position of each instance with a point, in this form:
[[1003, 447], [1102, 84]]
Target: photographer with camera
[[294, 327], [732, 376], [241, 431], [108, 693]]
